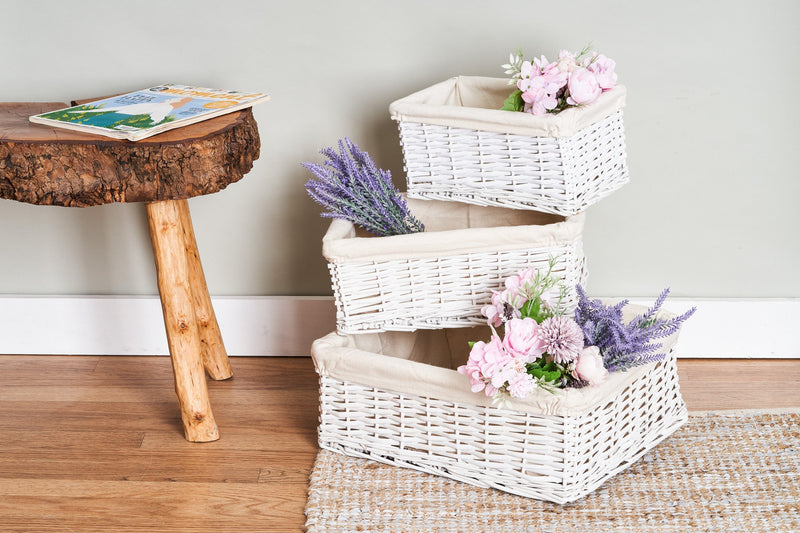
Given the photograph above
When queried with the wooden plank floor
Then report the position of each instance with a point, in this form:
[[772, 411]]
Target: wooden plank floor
[[96, 444]]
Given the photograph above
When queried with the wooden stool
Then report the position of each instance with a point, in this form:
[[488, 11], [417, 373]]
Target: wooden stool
[[53, 166]]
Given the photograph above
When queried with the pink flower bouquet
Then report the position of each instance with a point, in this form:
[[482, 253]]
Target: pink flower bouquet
[[550, 87], [543, 348]]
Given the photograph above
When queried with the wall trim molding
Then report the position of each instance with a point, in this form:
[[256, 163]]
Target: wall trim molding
[[286, 325]]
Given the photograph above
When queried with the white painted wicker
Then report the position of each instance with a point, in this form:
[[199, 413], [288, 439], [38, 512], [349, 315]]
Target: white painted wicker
[[554, 174], [543, 455], [442, 277]]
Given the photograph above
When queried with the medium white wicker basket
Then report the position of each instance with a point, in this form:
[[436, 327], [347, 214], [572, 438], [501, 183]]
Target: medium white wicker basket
[[394, 398], [458, 145], [443, 276]]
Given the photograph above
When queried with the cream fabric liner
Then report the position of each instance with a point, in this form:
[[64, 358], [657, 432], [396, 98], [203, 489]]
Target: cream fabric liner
[[415, 361], [474, 102], [484, 229]]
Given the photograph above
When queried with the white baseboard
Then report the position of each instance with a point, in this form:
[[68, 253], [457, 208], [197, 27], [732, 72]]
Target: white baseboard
[[107, 325], [286, 325]]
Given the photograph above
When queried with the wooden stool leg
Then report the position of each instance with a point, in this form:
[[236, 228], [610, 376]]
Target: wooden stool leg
[[183, 337], [215, 358]]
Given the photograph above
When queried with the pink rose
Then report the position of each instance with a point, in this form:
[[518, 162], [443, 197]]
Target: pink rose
[[589, 366], [583, 87], [522, 340], [485, 361], [603, 70]]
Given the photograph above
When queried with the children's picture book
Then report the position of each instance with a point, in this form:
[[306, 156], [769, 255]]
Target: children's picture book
[[141, 114]]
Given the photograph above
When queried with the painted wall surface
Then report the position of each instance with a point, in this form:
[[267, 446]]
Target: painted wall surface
[[712, 130]]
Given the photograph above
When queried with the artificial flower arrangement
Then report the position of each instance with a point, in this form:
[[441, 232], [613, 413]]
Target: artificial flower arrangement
[[351, 186], [543, 348], [550, 87]]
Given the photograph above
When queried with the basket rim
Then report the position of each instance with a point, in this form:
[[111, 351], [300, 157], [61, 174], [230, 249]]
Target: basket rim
[[335, 357], [442, 104], [340, 243]]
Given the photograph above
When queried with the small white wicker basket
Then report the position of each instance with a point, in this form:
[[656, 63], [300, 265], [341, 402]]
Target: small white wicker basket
[[458, 145], [394, 397], [443, 276]]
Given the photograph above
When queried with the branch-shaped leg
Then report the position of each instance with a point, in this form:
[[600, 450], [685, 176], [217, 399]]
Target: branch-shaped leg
[[215, 358], [183, 336]]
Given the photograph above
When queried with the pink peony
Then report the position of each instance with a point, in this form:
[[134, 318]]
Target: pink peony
[[522, 340], [562, 338], [485, 361], [583, 87], [603, 70], [589, 366]]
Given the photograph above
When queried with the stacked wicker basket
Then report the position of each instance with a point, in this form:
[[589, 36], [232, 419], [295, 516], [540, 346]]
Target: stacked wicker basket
[[498, 192]]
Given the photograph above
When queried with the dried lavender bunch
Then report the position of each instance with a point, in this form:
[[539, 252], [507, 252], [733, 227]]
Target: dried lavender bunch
[[625, 345], [350, 186]]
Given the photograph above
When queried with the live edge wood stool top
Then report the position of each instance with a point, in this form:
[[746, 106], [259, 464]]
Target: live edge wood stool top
[[52, 166]]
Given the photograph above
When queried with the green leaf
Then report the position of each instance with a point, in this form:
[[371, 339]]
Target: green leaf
[[535, 308], [553, 375], [541, 368], [531, 309], [514, 102], [471, 343]]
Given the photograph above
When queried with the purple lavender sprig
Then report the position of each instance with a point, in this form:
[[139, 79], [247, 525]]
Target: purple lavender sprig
[[624, 346], [350, 186]]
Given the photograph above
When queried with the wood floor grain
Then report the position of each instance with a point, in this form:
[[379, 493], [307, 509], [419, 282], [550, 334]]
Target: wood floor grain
[[96, 444]]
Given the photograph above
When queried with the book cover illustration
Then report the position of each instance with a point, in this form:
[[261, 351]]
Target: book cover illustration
[[143, 113]]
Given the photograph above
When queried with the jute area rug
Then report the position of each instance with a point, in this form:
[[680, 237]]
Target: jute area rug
[[720, 472]]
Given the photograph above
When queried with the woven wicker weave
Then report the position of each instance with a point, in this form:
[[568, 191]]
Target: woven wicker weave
[[561, 175], [399, 287], [553, 457]]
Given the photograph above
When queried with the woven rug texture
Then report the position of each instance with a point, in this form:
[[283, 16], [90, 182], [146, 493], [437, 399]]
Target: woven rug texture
[[720, 473]]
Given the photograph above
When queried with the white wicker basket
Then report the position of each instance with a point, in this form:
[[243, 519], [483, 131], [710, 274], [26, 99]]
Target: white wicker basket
[[443, 276], [458, 145], [411, 409]]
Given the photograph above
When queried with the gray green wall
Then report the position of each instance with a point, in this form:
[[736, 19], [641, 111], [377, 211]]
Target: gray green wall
[[711, 122]]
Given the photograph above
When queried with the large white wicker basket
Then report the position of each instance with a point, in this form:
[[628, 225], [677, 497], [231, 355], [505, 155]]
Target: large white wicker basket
[[443, 276], [458, 145], [394, 397]]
